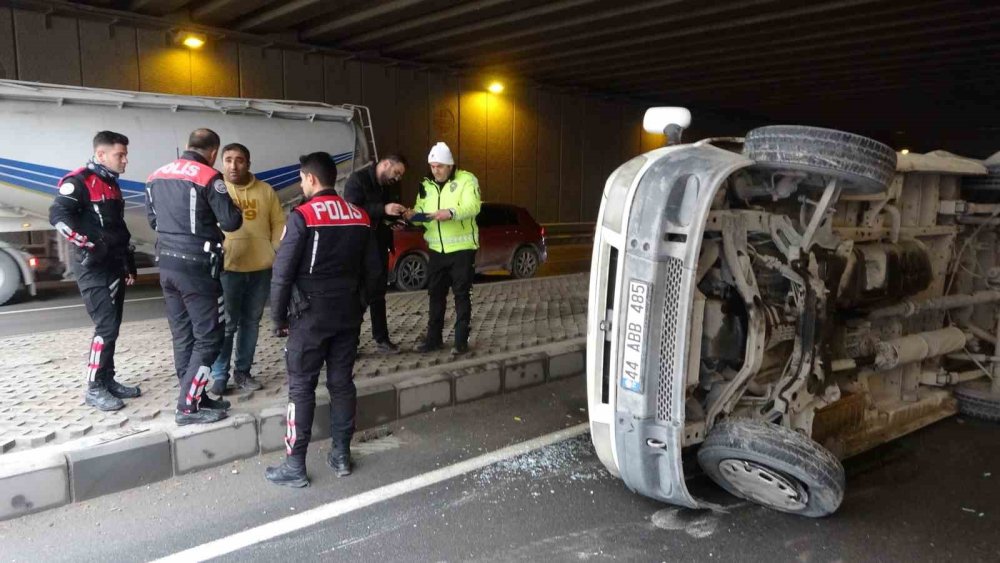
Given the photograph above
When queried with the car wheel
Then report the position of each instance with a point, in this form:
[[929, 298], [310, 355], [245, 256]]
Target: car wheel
[[411, 273], [10, 277], [863, 165], [773, 466], [525, 263], [976, 399]]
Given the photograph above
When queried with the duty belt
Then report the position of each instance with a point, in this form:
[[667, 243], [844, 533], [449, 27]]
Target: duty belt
[[212, 258], [188, 257]]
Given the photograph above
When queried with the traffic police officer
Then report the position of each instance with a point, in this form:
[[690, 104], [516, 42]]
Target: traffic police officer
[[450, 199], [90, 213], [186, 203], [326, 266]]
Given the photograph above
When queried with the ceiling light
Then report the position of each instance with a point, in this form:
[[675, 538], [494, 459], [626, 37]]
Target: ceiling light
[[495, 87], [192, 40]]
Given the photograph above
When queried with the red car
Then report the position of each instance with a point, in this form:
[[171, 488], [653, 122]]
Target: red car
[[509, 239]]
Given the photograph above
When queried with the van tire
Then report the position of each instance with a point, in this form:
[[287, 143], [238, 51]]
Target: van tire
[[10, 277], [863, 165], [773, 466], [976, 400]]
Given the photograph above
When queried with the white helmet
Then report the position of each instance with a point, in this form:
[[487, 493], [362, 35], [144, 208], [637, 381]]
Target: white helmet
[[441, 154]]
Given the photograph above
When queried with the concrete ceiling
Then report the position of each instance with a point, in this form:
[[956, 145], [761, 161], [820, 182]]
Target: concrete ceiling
[[862, 64]]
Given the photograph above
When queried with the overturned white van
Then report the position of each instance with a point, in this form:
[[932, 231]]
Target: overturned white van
[[799, 298]]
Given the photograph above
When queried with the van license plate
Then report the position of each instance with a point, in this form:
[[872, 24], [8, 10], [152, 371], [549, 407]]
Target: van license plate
[[635, 335]]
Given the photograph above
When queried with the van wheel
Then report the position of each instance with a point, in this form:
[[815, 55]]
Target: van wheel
[[773, 466], [10, 277], [525, 263], [411, 273], [863, 165], [976, 399]]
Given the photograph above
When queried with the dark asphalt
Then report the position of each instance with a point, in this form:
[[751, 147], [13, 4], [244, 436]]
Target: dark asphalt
[[58, 305], [931, 496]]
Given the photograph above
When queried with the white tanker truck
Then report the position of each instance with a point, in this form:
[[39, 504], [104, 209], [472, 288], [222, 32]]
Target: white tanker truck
[[46, 131]]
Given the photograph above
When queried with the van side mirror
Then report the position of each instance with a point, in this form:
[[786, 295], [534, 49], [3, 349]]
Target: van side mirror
[[669, 121]]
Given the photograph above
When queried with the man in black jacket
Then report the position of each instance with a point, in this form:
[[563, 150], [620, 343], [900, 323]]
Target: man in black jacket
[[326, 265], [376, 190], [186, 203], [90, 213]]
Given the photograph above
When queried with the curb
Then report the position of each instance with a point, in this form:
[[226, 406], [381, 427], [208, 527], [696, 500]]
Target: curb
[[84, 469]]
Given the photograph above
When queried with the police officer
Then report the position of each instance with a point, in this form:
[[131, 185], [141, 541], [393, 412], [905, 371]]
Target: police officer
[[90, 213], [450, 198], [326, 267], [186, 203]]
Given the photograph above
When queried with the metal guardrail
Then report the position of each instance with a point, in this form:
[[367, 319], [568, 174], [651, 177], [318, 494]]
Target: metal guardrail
[[569, 233]]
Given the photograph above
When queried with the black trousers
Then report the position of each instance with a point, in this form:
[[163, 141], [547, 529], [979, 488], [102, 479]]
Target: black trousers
[[454, 270], [195, 311], [376, 303], [105, 303], [326, 333]]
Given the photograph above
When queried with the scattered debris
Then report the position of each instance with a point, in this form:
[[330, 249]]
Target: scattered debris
[[572, 458]]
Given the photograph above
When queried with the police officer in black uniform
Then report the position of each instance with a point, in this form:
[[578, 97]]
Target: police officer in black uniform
[[187, 203], [326, 267], [90, 213]]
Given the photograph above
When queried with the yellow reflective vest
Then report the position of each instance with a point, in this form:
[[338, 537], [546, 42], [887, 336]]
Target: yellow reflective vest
[[460, 195]]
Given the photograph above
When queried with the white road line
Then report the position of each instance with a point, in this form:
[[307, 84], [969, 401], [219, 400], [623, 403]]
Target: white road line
[[72, 306], [334, 509]]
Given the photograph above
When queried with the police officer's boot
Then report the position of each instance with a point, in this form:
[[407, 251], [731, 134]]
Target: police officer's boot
[[200, 416], [100, 398], [245, 382], [119, 390], [207, 402], [291, 473], [340, 462]]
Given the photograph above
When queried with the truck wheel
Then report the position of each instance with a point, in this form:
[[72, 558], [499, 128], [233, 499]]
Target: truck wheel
[[10, 277], [525, 263], [863, 165], [411, 273], [773, 466], [976, 400]]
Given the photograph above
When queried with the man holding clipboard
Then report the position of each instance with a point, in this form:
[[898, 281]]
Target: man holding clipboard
[[447, 205]]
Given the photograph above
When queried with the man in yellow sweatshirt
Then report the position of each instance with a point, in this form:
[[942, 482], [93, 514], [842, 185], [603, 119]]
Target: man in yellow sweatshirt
[[249, 255]]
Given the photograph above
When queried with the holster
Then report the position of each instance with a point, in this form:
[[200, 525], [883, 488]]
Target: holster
[[215, 261]]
